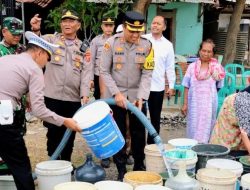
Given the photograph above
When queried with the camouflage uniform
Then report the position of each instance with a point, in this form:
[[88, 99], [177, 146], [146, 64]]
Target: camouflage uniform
[[15, 27]]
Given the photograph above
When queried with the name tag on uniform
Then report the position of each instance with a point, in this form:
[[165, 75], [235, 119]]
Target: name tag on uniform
[[6, 112]]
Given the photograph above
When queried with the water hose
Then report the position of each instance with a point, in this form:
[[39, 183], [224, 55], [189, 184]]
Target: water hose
[[144, 120]]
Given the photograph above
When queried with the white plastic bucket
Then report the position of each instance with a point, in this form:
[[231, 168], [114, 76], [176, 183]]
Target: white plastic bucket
[[100, 129], [174, 160], [151, 187], [213, 178], [7, 182], [183, 143], [245, 181], [108, 185], [75, 186], [231, 165], [53, 172], [153, 158]]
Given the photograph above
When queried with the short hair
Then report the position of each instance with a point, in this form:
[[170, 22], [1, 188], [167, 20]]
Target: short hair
[[209, 41], [164, 21], [34, 47]]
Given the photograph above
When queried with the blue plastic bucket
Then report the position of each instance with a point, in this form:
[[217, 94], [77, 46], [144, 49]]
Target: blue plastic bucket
[[99, 129]]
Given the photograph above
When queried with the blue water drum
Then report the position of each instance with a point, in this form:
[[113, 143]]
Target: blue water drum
[[99, 129]]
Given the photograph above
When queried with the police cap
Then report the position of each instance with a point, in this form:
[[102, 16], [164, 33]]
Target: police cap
[[70, 14], [134, 21], [14, 25], [108, 20], [34, 39]]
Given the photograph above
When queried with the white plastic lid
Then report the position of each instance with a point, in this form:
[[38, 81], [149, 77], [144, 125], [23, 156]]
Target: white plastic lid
[[231, 165], [183, 142], [216, 176], [151, 187], [108, 185], [75, 186], [91, 114], [245, 181]]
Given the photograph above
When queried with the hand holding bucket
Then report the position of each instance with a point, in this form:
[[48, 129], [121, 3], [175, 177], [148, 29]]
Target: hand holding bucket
[[100, 129]]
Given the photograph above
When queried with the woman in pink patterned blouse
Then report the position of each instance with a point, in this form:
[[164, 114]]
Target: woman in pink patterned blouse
[[201, 82]]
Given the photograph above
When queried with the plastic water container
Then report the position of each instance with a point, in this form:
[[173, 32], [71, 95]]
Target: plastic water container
[[153, 158], [99, 129], [7, 182], [183, 143], [209, 151], [108, 185], [75, 186], [174, 156], [221, 163], [245, 181], [137, 178], [53, 172], [219, 179], [151, 187]]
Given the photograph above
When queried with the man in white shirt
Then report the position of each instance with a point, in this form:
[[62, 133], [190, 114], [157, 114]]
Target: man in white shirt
[[164, 63]]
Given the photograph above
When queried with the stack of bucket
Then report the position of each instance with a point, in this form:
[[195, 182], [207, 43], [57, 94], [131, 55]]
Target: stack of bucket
[[153, 158], [219, 179]]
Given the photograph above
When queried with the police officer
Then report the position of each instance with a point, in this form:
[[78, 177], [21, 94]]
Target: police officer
[[96, 49], [12, 31], [20, 74], [126, 68], [67, 78]]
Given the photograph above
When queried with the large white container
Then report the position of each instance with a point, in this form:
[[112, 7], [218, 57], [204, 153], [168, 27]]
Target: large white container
[[53, 172], [153, 159], [175, 156], [108, 185], [231, 165], [245, 181], [75, 186], [151, 187], [7, 182], [216, 179]]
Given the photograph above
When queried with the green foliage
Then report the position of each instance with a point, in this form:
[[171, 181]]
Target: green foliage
[[90, 13]]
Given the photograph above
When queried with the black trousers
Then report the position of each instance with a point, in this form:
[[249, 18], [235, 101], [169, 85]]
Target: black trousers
[[155, 106], [97, 93], [14, 153], [137, 131], [55, 133]]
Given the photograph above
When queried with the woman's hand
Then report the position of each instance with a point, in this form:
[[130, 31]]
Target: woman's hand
[[184, 109], [245, 139]]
